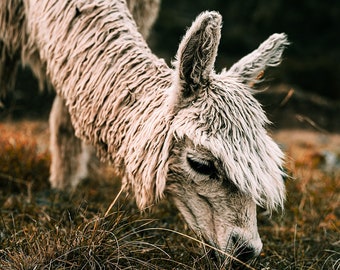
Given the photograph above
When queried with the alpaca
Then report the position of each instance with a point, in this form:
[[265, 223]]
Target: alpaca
[[188, 133]]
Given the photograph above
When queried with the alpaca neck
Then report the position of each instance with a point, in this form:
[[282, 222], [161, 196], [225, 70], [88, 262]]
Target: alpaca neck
[[114, 87]]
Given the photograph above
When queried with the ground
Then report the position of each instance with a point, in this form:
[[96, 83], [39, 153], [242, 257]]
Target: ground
[[45, 229]]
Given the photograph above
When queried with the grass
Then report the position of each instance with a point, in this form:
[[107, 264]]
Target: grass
[[45, 229]]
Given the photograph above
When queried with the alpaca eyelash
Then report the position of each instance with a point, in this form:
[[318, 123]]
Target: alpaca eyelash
[[203, 167]]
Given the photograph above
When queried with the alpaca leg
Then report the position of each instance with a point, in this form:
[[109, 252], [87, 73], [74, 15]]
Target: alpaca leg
[[69, 155]]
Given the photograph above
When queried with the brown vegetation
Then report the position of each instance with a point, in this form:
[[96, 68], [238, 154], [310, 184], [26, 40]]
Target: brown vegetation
[[45, 229]]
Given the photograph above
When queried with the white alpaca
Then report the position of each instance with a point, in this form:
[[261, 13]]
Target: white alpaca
[[187, 132]]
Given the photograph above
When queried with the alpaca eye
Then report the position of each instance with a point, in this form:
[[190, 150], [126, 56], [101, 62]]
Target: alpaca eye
[[202, 166]]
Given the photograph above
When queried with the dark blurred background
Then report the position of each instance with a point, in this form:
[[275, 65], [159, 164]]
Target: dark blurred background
[[313, 26], [311, 65]]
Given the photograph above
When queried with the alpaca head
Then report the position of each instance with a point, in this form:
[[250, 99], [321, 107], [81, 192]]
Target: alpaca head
[[221, 162]]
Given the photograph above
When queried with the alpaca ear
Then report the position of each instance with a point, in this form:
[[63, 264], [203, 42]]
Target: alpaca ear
[[250, 68], [197, 52]]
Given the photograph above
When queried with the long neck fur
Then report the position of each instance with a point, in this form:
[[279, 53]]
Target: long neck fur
[[113, 85]]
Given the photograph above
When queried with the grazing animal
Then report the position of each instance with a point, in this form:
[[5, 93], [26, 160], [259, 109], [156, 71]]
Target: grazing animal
[[188, 132]]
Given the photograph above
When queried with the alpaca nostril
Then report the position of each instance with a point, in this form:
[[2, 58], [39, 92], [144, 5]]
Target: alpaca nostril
[[243, 250], [235, 239], [246, 253]]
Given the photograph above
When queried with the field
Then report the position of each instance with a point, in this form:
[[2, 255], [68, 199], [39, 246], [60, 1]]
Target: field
[[45, 229]]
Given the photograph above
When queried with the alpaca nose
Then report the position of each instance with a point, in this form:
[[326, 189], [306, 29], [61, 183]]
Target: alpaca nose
[[246, 250]]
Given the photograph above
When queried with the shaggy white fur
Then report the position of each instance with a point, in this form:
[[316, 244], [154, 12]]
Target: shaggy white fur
[[123, 85], [187, 131], [70, 158]]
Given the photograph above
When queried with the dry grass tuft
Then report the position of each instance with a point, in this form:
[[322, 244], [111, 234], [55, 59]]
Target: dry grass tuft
[[45, 229], [22, 162], [70, 243]]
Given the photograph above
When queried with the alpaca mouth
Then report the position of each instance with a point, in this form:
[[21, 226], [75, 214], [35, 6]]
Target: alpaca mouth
[[235, 260], [215, 253], [235, 255], [219, 257]]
